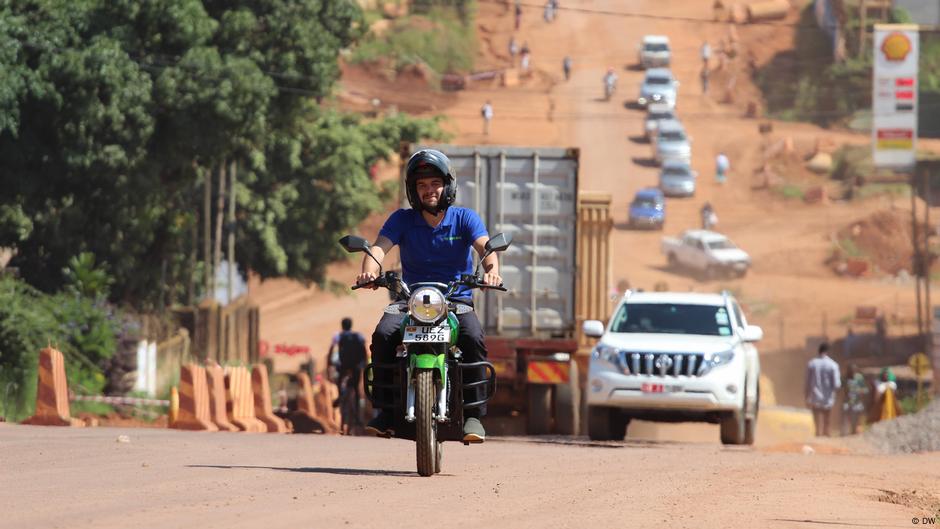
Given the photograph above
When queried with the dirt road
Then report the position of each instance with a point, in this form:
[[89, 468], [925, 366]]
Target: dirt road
[[165, 479]]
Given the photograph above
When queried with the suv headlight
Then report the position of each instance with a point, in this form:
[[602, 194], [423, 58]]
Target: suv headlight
[[427, 304], [718, 359], [606, 353]]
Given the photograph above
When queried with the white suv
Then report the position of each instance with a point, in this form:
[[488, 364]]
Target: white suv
[[674, 357]]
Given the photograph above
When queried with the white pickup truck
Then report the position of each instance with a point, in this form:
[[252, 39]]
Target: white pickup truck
[[674, 357], [707, 252]]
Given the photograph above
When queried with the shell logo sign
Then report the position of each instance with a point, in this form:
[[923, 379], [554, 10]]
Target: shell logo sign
[[896, 47]]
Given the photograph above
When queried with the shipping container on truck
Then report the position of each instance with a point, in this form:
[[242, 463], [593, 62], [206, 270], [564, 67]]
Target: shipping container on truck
[[557, 272]]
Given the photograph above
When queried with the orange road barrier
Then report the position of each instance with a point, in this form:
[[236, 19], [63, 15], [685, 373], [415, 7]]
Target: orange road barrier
[[240, 401], [217, 411], [174, 406], [305, 417], [194, 400], [52, 393], [262, 392], [325, 396]]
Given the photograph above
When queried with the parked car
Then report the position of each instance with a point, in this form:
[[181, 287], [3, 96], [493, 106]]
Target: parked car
[[705, 251], [658, 81], [677, 179], [648, 209], [656, 111], [654, 51], [671, 142], [667, 356]]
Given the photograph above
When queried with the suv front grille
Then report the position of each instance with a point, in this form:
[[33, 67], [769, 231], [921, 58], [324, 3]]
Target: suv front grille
[[663, 364]]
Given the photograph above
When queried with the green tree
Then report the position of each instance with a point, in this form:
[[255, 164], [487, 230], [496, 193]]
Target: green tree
[[113, 112]]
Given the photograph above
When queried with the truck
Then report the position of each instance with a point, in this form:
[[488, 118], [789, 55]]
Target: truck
[[557, 272], [675, 357], [707, 252]]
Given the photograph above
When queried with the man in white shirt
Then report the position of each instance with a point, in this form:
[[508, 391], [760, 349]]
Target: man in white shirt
[[487, 113], [822, 383]]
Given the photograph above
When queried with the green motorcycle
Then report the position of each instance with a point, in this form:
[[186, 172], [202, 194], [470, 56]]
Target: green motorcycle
[[424, 388]]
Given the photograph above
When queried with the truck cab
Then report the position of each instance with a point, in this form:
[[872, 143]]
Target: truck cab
[[674, 357], [654, 51]]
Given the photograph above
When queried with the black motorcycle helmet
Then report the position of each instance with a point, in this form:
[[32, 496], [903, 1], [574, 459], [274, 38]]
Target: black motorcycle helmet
[[425, 163]]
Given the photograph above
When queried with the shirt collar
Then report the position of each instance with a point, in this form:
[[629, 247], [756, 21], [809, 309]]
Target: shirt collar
[[448, 218]]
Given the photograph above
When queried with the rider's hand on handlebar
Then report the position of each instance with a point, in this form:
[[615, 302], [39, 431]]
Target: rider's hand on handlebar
[[364, 278], [492, 279]]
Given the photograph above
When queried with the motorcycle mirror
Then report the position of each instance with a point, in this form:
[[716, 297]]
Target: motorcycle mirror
[[354, 244], [498, 243]]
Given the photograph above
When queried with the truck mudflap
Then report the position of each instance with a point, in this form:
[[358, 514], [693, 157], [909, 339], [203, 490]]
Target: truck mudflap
[[547, 372]]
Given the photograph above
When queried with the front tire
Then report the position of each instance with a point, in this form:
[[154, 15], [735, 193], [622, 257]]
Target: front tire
[[425, 428], [606, 424]]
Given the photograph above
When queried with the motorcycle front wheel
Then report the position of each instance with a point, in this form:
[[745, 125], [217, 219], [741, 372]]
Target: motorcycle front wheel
[[426, 446]]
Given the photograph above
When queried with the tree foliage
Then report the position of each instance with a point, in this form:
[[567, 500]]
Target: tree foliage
[[113, 112]]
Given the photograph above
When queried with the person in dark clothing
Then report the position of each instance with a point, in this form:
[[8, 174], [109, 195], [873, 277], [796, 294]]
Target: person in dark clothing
[[348, 357], [435, 239]]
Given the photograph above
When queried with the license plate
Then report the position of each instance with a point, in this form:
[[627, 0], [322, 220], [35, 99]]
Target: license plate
[[660, 388], [427, 334]]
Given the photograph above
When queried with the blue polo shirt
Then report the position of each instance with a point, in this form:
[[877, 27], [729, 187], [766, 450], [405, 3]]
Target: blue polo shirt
[[438, 254]]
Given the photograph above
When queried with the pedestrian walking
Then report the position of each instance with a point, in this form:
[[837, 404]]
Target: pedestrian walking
[[513, 50], [704, 76], [566, 66], [706, 53], [549, 12], [525, 48], [525, 62], [856, 394], [487, 113], [518, 16], [722, 166], [822, 382]]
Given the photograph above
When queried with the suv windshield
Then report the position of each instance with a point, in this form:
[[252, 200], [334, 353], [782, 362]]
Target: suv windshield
[[670, 318], [658, 80], [645, 203], [676, 171], [659, 115], [721, 245], [656, 47], [672, 135]]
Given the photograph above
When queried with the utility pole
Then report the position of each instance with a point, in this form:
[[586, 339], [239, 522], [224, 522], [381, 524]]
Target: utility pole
[[231, 232], [862, 16], [918, 263], [207, 230], [219, 217]]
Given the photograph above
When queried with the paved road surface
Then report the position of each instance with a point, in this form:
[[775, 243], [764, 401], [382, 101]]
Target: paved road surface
[[78, 478]]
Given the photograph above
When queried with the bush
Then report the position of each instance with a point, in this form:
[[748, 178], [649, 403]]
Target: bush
[[84, 330], [439, 39]]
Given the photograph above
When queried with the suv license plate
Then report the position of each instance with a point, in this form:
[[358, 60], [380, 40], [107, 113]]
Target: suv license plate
[[660, 388], [427, 334]]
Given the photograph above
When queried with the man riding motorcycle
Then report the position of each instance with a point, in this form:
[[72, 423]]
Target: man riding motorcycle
[[434, 239]]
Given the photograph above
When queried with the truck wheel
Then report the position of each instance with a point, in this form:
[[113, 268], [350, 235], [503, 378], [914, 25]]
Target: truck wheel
[[539, 417], [567, 403], [606, 424], [710, 273]]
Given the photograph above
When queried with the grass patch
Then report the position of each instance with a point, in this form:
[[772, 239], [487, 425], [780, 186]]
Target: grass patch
[[893, 190], [440, 38], [789, 191], [909, 404], [850, 249], [94, 408]]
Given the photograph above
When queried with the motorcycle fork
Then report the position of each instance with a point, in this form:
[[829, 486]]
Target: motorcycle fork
[[426, 361]]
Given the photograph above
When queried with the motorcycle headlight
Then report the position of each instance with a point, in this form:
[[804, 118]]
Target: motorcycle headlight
[[427, 304]]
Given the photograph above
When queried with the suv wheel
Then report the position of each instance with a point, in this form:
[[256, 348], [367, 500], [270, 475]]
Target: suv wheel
[[735, 425], [606, 424]]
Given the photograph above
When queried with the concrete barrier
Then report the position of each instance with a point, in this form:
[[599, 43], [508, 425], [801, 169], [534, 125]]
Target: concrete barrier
[[262, 397], [193, 400], [240, 401], [305, 418], [52, 393], [217, 411]]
